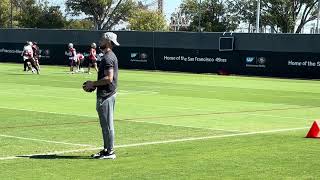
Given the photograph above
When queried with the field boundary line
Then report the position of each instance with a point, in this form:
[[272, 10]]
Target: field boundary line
[[171, 116], [173, 88], [133, 121], [82, 99], [138, 120], [278, 116], [121, 94], [159, 142], [46, 141]]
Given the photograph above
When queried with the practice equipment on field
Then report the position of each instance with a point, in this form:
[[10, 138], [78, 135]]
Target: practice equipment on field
[[314, 131], [84, 85]]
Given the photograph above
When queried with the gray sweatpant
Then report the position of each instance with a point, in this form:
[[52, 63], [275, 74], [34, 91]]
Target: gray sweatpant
[[105, 109]]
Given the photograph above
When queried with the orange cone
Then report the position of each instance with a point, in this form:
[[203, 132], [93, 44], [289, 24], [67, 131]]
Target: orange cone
[[314, 131]]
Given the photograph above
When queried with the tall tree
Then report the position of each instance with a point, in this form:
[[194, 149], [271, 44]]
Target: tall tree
[[280, 13], [40, 15], [4, 13], [79, 24], [284, 14], [246, 11], [213, 15], [147, 20], [29, 15], [52, 17], [105, 13]]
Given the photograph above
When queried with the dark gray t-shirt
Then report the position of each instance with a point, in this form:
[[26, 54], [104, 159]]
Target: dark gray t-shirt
[[108, 61]]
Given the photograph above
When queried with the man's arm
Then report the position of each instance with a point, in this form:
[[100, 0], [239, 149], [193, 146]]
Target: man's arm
[[108, 79], [102, 82]]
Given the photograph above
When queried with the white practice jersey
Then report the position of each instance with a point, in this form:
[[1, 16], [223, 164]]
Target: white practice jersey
[[27, 52]]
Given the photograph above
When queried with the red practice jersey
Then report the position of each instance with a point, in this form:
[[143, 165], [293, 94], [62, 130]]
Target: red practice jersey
[[93, 54]]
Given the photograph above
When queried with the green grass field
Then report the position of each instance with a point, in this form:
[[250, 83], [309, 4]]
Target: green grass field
[[168, 126]]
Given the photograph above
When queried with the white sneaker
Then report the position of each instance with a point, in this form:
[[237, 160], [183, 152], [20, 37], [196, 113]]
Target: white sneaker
[[109, 156], [104, 155]]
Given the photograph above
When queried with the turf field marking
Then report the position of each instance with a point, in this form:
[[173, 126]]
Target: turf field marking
[[139, 120], [183, 126], [156, 89], [47, 96], [278, 116], [172, 116], [80, 90], [251, 93], [159, 142], [133, 121], [96, 121], [46, 141], [121, 93]]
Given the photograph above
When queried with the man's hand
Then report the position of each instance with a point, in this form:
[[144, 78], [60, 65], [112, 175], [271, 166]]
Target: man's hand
[[89, 86]]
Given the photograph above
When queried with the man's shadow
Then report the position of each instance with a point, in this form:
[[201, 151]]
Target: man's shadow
[[55, 157]]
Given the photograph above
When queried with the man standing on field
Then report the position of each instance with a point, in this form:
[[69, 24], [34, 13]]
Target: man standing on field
[[106, 93]]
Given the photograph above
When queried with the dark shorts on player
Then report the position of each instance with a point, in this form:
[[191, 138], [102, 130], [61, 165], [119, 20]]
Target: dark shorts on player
[[36, 60], [72, 62], [92, 61]]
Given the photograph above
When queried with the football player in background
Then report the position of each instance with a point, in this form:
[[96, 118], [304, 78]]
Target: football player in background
[[36, 54], [80, 59], [28, 58], [72, 57], [93, 58]]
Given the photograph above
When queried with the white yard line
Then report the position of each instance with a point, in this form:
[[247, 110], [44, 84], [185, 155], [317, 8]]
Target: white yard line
[[46, 141], [251, 93], [121, 93], [171, 88], [165, 124], [46, 96], [94, 116], [135, 121], [278, 116], [183, 126], [71, 98], [49, 112], [158, 142]]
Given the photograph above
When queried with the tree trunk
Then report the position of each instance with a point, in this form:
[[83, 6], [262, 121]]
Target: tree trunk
[[298, 31]]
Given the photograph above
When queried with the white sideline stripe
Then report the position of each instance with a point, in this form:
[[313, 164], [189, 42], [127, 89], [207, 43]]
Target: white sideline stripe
[[173, 88], [49, 112], [56, 97], [135, 121], [251, 93], [278, 116], [95, 116], [77, 89], [81, 99], [46, 141], [121, 93], [124, 93], [148, 122], [158, 142], [191, 127]]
